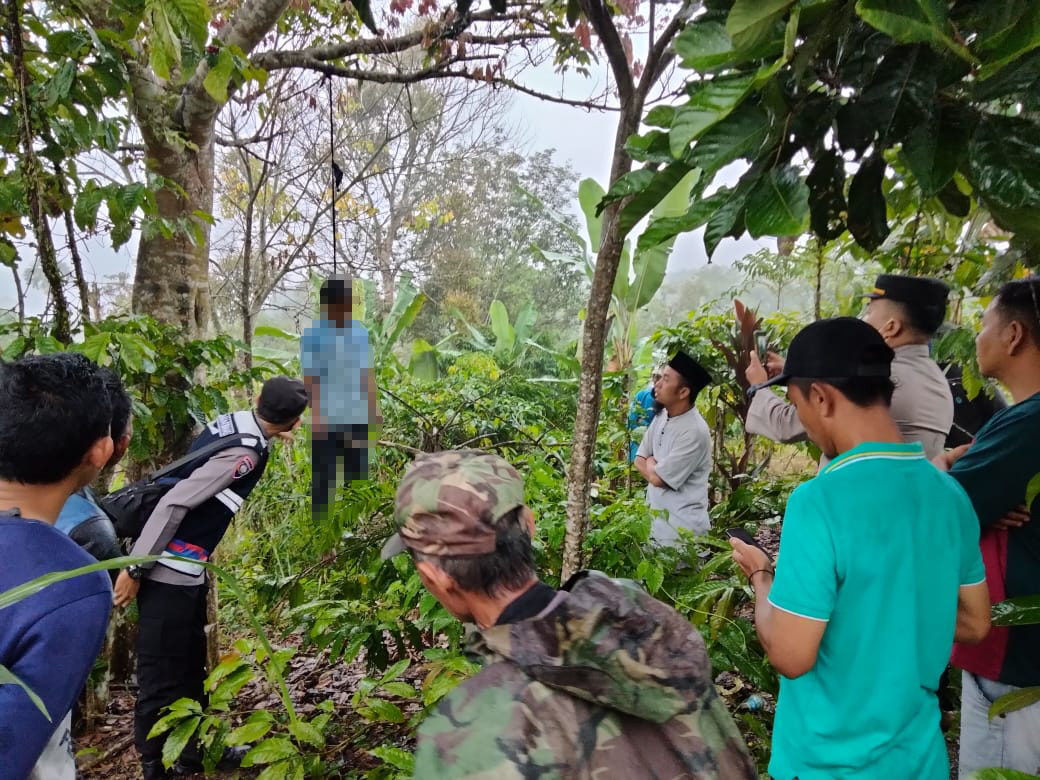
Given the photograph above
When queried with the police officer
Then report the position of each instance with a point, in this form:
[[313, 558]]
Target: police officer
[[189, 521], [906, 311]]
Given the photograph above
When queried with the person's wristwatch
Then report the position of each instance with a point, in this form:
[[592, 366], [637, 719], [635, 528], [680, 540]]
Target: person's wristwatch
[[135, 572]]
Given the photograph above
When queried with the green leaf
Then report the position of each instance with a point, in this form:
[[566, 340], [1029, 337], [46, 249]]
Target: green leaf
[[271, 331], [178, 739], [505, 335], [216, 81], [251, 730], [631, 183], [164, 44], [999, 774], [590, 193], [705, 47], [306, 733], [386, 711], [933, 151], [404, 690], [1032, 491], [269, 751], [660, 116], [395, 671], [407, 304], [867, 218], [827, 206], [745, 15], [727, 216], [911, 21], [95, 347], [525, 321], [652, 147], [7, 677], [1004, 161], [741, 134], [709, 104], [674, 177], [1019, 611], [778, 205], [423, 362], [277, 771], [60, 83], [48, 345], [190, 18], [395, 757], [650, 266], [663, 229], [1016, 700], [1011, 43]]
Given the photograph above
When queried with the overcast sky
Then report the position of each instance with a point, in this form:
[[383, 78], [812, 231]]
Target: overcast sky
[[582, 138]]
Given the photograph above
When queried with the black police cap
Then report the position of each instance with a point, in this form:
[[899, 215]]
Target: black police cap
[[282, 400], [692, 371], [840, 348], [926, 297]]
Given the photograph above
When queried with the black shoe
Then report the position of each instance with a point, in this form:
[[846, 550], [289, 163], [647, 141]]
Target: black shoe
[[154, 770], [232, 759]]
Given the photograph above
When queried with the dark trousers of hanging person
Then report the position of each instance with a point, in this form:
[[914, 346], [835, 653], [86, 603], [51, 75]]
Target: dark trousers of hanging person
[[171, 657], [340, 452]]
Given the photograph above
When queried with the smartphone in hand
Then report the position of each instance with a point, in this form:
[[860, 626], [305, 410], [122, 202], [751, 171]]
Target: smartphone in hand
[[761, 345], [744, 536]]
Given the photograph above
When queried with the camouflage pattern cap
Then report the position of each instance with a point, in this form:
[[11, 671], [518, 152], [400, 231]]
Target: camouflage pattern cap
[[449, 503]]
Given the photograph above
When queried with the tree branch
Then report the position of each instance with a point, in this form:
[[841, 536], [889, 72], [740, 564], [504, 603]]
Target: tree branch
[[661, 54], [441, 72], [603, 25]]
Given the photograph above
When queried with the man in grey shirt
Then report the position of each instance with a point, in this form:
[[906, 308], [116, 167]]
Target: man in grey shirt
[[906, 311], [675, 454]]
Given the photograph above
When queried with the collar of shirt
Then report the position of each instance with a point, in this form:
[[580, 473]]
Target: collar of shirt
[[527, 605], [872, 449]]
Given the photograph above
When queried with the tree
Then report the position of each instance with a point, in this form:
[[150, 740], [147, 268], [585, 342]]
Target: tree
[[621, 212], [892, 110], [176, 78]]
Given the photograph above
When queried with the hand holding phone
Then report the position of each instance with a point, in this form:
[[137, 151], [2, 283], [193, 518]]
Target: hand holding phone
[[746, 538]]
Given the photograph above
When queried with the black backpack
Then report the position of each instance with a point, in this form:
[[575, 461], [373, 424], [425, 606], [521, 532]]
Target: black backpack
[[130, 507]]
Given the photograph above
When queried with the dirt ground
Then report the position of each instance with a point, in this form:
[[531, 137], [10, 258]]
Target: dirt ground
[[107, 751]]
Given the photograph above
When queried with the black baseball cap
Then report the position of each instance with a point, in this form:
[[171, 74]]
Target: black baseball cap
[[925, 297], [282, 399], [692, 371], [839, 348]]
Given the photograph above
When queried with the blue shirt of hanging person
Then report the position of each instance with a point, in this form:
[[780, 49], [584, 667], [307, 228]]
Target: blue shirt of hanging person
[[337, 358], [640, 415]]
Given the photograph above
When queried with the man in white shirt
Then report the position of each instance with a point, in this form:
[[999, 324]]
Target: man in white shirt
[[675, 454]]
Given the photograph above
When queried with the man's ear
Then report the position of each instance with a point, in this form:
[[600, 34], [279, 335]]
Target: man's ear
[[528, 517], [99, 453], [821, 396], [435, 578], [1016, 336]]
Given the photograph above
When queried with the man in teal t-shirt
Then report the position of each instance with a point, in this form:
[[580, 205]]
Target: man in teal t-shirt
[[878, 572]]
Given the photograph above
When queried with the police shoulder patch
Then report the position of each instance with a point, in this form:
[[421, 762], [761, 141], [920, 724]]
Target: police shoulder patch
[[243, 466]]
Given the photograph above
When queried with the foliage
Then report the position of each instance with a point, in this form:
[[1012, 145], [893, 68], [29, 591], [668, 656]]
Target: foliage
[[160, 368], [921, 109]]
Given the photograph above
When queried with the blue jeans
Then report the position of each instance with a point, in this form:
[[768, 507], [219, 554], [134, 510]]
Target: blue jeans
[[1010, 741]]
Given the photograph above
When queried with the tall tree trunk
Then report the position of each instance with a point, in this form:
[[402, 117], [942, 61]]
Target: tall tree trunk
[[77, 267], [246, 294], [18, 290], [590, 388], [818, 292], [33, 175], [172, 278]]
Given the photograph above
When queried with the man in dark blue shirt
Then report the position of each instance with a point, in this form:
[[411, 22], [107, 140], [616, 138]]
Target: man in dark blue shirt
[[54, 439]]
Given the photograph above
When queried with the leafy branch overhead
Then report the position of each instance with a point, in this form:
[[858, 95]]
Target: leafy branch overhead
[[836, 106]]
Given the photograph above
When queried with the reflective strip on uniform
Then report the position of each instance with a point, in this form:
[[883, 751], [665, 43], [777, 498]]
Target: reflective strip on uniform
[[181, 565], [230, 499]]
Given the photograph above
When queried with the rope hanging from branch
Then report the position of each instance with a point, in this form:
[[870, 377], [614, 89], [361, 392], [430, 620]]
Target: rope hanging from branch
[[337, 172]]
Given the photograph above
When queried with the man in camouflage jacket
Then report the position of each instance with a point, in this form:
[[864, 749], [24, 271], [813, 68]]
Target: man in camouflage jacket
[[596, 680]]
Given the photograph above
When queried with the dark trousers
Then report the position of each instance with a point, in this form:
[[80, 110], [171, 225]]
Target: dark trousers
[[171, 655], [345, 448]]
